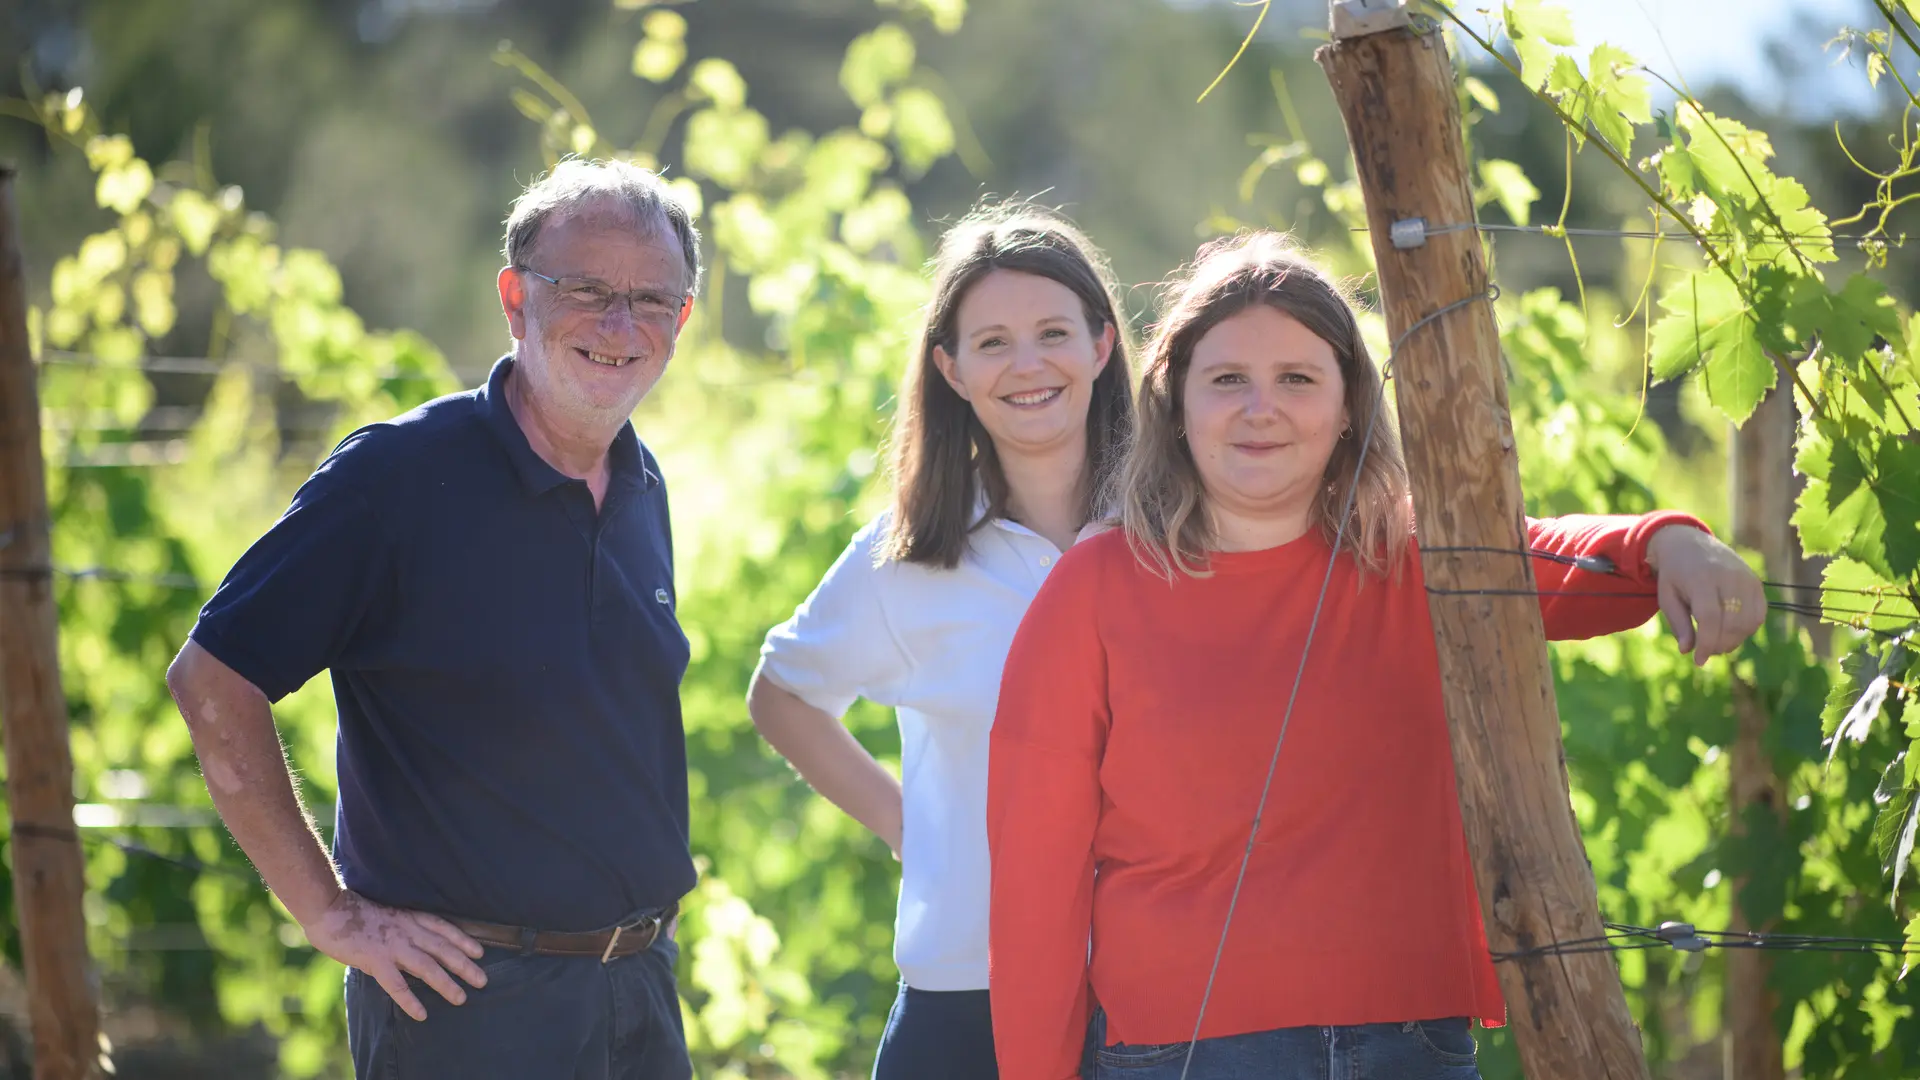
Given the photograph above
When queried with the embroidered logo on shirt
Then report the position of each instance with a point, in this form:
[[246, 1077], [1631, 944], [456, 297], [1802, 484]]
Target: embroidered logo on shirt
[[661, 596]]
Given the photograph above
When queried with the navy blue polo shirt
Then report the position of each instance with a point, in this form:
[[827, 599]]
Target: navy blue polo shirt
[[506, 661]]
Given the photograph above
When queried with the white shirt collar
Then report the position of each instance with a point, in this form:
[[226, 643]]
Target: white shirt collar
[[1101, 522]]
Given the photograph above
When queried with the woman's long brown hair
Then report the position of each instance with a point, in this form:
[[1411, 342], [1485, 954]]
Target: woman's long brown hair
[[941, 457]]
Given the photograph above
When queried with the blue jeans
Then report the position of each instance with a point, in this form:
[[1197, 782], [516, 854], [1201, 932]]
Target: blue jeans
[[1414, 1050], [937, 1035], [559, 1017]]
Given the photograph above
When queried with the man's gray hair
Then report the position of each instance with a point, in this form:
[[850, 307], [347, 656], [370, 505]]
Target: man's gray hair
[[577, 182]]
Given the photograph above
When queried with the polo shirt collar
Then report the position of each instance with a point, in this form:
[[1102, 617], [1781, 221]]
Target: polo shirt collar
[[1100, 523], [627, 465]]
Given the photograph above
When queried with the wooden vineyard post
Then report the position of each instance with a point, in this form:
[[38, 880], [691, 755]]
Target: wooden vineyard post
[[47, 880], [1394, 84], [1761, 477]]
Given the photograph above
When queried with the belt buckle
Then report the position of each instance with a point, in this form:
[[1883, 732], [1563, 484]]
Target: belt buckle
[[613, 939]]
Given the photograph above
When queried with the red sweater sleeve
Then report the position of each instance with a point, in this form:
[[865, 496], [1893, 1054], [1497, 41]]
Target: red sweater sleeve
[[1580, 602], [1043, 804]]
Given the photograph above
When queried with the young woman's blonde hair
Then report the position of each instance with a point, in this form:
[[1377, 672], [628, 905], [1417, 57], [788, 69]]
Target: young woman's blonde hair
[[941, 459], [1162, 503]]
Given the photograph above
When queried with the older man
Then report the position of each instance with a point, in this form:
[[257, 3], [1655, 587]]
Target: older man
[[489, 578]]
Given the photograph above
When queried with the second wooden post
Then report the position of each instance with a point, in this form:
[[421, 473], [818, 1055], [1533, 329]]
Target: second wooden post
[[47, 867], [1396, 93], [1762, 482]]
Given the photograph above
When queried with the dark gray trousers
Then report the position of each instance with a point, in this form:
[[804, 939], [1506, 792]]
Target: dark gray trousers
[[559, 1017]]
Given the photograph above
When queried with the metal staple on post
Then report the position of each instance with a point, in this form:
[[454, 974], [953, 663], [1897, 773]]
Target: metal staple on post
[[1408, 233], [1354, 18]]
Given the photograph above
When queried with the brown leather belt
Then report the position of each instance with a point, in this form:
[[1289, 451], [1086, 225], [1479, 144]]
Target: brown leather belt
[[623, 940]]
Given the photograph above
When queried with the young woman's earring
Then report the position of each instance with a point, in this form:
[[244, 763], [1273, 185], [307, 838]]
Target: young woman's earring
[[1347, 434]]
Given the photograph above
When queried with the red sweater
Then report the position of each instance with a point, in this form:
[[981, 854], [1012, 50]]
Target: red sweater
[[1135, 726]]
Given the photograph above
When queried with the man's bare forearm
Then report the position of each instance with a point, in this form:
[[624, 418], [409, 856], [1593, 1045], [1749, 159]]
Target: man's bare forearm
[[247, 774]]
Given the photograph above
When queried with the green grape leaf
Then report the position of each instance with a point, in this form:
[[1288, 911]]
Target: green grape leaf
[[1776, 294], [840, 167], [719, 82], [1857, 585], [665, 24], [245, 267], [946, 15], [885, 214], [1793, 224], [1677, 173], [1854, 592], [1898, 487], [1507, 183], [1538, 31], [1707, 320], [1846, 472], [724, 145], [1857, 668], [108, 152], [101, 256], [1739, 373], [195, 218], [1569, 86], [1862, 311], [1909, 347], [1893, 835], [921, 129], [153, 302], [1698, 307], [655, 59], [1864, 528], [122, 188], [1481, 94], [876, 62], [1851, 526], [686, 191], [746, 232], [1913, 925], [1620, 97], [1813, 455], [1726, 157], [1893, 780]]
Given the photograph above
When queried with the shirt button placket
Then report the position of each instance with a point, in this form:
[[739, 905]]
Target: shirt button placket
[[596, 606]]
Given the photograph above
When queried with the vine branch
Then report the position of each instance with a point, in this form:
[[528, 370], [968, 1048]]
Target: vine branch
[[1607, 150]]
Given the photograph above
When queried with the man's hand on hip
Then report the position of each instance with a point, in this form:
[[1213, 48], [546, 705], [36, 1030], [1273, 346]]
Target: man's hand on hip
[[392, 943]]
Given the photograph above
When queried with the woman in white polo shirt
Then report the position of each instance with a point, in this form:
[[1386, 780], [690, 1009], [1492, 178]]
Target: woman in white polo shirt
[[1013, 416]]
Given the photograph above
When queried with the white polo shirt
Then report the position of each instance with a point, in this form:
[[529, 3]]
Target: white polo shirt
[[931, 643]]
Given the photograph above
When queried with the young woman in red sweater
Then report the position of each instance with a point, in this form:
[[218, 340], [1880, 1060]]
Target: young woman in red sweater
[[1145, 689]]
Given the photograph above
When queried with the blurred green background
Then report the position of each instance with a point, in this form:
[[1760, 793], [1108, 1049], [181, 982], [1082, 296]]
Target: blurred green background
[[252, 225]]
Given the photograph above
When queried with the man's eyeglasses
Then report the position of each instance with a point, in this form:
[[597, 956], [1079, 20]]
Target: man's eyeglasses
[[591, 296]]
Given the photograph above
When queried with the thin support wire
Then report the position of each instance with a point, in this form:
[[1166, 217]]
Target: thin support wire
[[1684, 937], [72, 834], [1621, 234], [97, 573], [1599, 564]]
